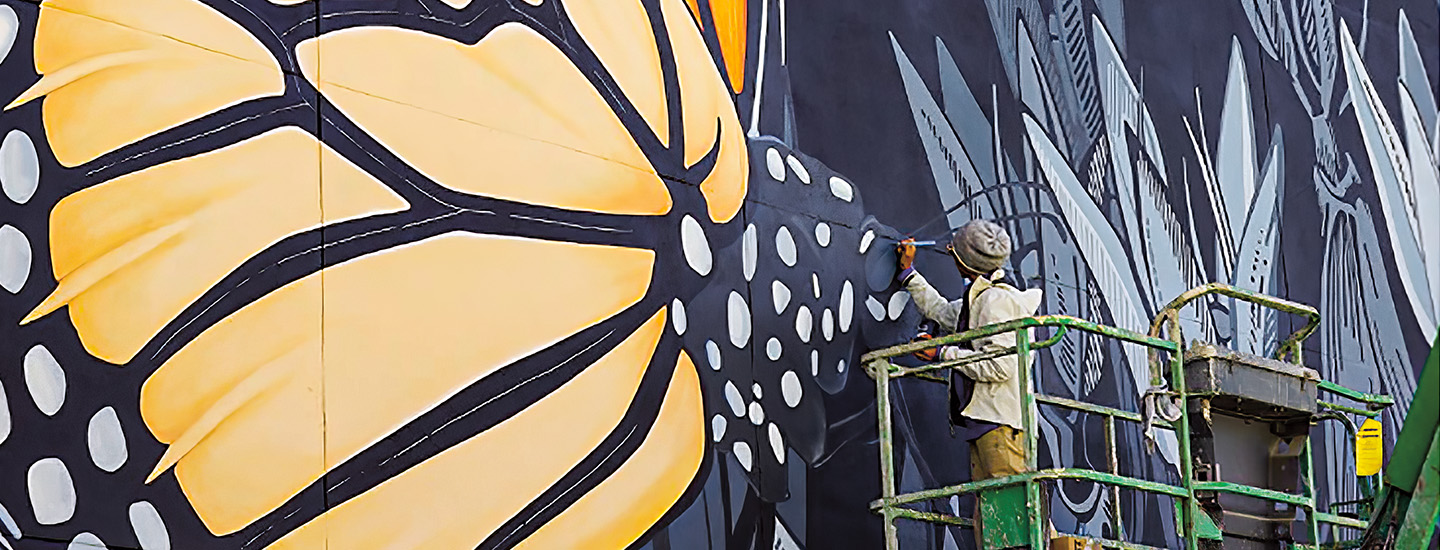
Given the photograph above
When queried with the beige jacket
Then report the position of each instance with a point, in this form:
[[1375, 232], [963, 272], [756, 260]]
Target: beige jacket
[[997, 383]]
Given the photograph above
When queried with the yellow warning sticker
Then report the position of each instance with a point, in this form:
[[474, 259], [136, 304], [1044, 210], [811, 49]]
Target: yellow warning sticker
[[1369, 448]]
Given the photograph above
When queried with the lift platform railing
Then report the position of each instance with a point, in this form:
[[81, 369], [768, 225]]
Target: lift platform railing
[[1023, 491]]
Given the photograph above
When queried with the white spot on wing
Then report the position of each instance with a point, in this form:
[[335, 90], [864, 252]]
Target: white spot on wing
[[827, 324], [785, 246], [52, 491], [677, 316], [897, 304], [877, 310], [757, 413], [815, 284], [741, 450], [748, 250], [847, 306], [45, 380], [777, 443], [804, 323], [773, 349], [106, 440], [717, 427], [734, 399], [86, 541], [739, 317], [19, 165], [781, 295], [822, 234], [149, 528], [712, 353], [866, 240], [9, 27], [790, 388], [775, 164], [14, 259], [696, 246], [798, 168], [4, 415], [841, 189]]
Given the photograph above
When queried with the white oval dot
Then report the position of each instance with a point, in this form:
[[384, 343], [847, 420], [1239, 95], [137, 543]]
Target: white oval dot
[[814, 362], [8, 522], [757, 413], [777, 443], [712, 353], [739, 320], [52, 491], [741, 450], [840, 367], [149, 528], [696, 246], [827, 324], [822, 234], [866, 240], [14, 259], [815, 284], [877, 309], [804, 323], [677, 316], [106, 440], [775, 164], [45, 380], [897, 304], [734, 399], [749, 247], [773, 349], [86, 541], [780, 295], [847, 306], [717, 427], [19, 166], [4, 415], [785, 246], [841, 189], [790, 388], [756, 390], [9, 27], [798, 168]]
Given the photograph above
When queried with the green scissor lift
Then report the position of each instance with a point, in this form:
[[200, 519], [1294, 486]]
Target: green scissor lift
[[1271, 391]]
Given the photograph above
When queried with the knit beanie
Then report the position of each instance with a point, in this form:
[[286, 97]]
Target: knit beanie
[[981, 245]]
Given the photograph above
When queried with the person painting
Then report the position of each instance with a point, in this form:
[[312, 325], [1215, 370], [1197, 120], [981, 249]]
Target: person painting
[[986, 393]]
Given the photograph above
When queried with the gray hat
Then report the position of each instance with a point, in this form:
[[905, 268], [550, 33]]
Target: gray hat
[[981, 246]]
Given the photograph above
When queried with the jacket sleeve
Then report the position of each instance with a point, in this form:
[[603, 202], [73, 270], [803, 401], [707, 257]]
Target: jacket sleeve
[[931, 304], [992, 306]]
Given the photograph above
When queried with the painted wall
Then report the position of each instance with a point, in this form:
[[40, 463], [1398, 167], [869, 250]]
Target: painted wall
[[543, 273]]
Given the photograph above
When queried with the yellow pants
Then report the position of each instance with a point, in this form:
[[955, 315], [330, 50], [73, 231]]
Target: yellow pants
[[998, 453]]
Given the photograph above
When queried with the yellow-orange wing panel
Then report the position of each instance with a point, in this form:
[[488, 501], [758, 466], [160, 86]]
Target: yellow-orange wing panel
[[457, 498], [707, 107], [624, 506], [131, 253], [403, 329], [116, 72], [512, 104]]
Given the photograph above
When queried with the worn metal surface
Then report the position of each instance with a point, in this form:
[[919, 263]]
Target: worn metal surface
[[1251, 386]]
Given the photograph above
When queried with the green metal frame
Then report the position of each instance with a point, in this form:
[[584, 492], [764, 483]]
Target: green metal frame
[[1195, 524]]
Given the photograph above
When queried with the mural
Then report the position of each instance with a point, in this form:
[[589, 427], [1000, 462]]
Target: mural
[[579, 274]]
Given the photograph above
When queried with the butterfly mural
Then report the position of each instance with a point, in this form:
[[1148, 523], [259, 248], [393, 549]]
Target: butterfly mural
[[570, 273], [426, 275]]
